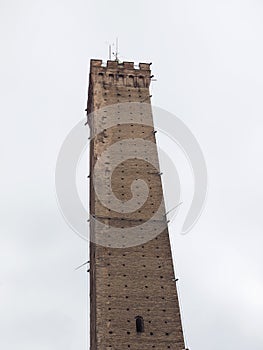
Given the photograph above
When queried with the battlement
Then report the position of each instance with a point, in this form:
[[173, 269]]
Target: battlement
[[120, 73], [119, 65]]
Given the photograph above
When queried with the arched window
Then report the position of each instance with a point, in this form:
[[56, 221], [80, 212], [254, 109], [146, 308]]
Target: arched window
[[121, 79], [130, 80], [101, 75], [111, 76], [141, 81], [139, 324]]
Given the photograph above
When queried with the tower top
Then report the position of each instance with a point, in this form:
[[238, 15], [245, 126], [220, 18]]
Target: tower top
[[118, 65], [120, 73]]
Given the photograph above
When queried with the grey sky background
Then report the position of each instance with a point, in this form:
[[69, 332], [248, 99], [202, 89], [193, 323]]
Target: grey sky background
[[207, 57]]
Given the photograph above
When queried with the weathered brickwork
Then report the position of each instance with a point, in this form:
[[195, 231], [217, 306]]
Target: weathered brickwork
[[128, 281]]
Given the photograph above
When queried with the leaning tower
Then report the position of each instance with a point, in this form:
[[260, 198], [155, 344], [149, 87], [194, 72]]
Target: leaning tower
[[133, 296]]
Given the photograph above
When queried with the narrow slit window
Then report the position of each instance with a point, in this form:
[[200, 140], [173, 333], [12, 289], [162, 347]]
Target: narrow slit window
[[139, 324]]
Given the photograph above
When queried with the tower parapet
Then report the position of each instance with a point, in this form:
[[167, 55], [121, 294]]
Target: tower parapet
[[124, 73]]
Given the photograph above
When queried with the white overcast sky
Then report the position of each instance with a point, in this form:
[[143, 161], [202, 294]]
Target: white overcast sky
[[207, 57]]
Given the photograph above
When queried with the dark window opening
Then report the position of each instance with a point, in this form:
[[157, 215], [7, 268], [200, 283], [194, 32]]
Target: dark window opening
[[121, 78], [139, 324]]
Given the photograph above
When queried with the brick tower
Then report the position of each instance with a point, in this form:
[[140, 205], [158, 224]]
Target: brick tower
[[133, 296]]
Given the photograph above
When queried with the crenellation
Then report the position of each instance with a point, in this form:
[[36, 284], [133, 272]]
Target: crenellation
[[128, 65], [112, 64], [145, 66], [115, 65], [121, 74], [95, 63]]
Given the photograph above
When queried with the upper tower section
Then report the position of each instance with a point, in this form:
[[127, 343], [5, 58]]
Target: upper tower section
[[120, 74]]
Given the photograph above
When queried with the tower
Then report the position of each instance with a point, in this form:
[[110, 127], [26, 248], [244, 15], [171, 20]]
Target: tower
[[133, 296]]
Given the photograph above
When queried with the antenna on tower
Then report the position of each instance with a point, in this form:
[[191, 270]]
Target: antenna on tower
[[116, 53], [117, 49], [110, 52]]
